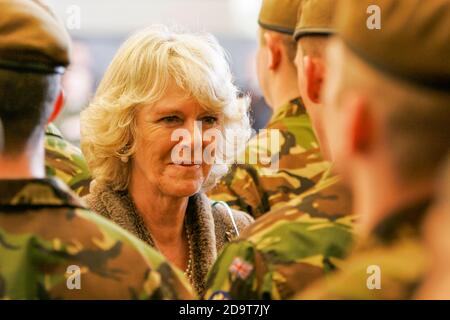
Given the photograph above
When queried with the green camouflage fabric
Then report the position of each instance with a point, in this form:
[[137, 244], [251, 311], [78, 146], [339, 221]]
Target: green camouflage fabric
[[288, 248], [45, 231], [389, 264], [255, 189], [65, 161]]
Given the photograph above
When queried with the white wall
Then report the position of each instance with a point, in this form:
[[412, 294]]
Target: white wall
[[105, 17]]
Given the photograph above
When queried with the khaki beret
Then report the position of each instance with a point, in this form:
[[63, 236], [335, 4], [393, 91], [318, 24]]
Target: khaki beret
[[315, 17], [279, 15], [413, 41], [31, 38]]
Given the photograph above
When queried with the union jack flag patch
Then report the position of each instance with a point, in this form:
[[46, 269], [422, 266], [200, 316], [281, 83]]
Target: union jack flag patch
[[240, 268]]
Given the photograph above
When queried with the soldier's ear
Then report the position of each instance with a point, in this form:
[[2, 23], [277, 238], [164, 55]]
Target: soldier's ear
[[314, 76], [57, 107], [274, 50], [360, 125]]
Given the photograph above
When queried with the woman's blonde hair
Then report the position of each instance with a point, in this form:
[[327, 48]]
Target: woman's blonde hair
[[140, 74]]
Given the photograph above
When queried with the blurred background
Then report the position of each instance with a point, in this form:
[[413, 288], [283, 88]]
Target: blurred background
[[99, 27]]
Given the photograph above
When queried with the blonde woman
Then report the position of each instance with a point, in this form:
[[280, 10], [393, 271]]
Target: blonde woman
[[158, 82]]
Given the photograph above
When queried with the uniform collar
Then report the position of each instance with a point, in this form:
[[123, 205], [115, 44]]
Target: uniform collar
[[48, 192], [292, 108], [52, 130], [407, 219]]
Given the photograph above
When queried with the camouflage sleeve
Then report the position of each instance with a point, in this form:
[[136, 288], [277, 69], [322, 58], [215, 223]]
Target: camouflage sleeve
[[51, 247], [281, 254], [238, 273], [77, 254], [163, 281]]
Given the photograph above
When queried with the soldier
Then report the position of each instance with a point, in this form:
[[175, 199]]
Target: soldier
[[51, 247], [297, 164], [293, 245], [388, 114], [65, 161]]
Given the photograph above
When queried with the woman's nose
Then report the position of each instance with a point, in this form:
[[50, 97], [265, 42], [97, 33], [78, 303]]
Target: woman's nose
[[196, 132], [196, 141]]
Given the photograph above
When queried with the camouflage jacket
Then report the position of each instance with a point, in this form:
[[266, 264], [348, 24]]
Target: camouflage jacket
[[256, 189], [288, 248], [65, 161], [390, 263], [51, 247]]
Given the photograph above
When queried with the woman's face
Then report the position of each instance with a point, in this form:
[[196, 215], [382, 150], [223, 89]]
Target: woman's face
[[163, 161]]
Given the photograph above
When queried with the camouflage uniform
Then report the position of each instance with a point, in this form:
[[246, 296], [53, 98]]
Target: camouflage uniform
[[65, 161], [288, 248], [44, 229], [253, 188], [395, 248]]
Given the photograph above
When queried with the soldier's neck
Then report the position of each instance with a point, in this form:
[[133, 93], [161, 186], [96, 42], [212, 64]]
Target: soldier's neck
[[378, 196], [282, 92], [28, 165]]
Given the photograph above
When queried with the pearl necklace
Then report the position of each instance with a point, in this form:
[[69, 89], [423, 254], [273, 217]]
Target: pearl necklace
[[188, 271]]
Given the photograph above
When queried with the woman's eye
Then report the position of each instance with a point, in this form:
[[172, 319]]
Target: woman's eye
[[171, 120], [210, 120]]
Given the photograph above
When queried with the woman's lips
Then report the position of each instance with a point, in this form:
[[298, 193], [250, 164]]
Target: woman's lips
[[184, 165]]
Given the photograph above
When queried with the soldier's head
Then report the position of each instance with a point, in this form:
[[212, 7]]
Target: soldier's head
[[276, 49], [34, 50], [387, 91], [312, 33]]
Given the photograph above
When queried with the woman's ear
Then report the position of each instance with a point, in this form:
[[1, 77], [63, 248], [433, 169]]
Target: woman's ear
[[57, 107], [274, 51], [314, 76]]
